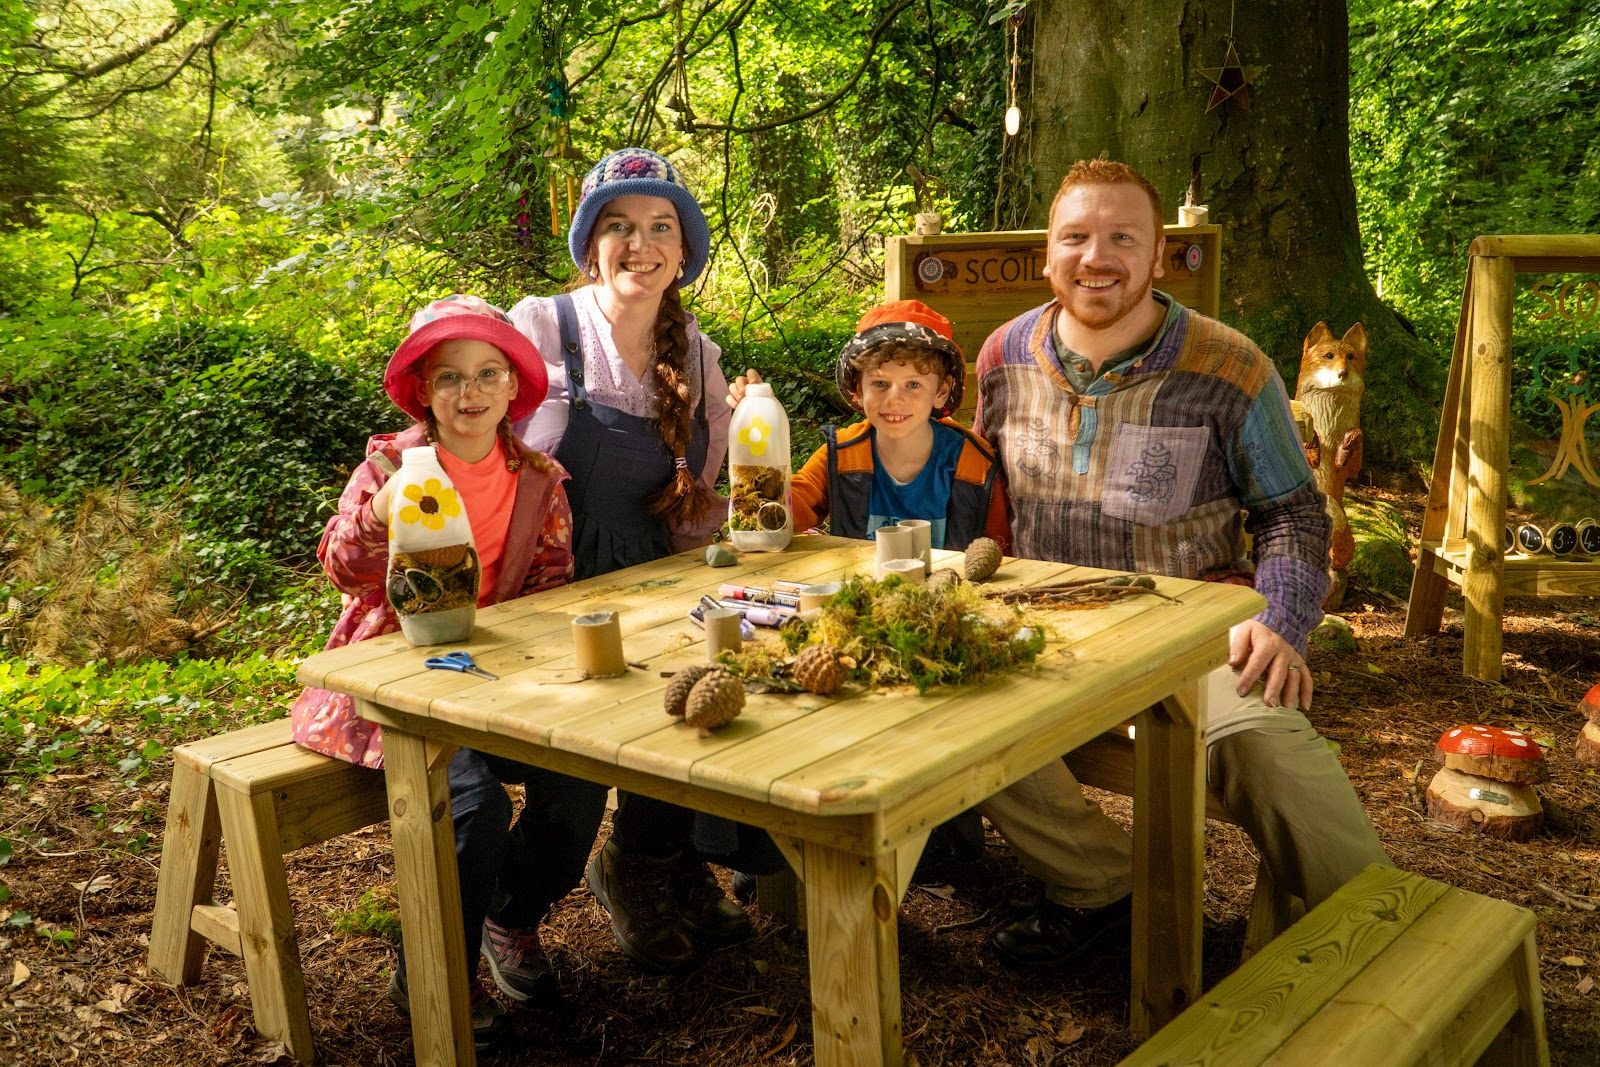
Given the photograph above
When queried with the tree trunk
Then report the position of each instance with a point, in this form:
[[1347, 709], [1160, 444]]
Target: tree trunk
[[1125, 80]]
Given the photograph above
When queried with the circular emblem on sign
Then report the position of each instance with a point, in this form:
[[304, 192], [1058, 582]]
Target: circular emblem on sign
[[1193, 258], [1563, 538], [930, 269], [1589, 537]]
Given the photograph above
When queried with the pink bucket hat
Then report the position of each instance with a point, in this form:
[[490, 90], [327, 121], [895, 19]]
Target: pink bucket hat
[[472, 318]]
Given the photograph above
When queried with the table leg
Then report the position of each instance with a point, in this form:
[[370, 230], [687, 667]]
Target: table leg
[[430, 901], [1168, 858], [851, 912]]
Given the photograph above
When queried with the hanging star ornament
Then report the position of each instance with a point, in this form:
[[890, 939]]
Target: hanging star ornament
[[1231, 81]]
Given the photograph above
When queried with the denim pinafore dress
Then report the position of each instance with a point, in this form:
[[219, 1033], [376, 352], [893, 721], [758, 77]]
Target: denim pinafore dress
[[618, 463]]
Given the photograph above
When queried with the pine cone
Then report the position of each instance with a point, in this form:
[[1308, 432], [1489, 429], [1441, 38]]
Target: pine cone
[[716, 700], [983, 559], [677, 694], [817, 668]]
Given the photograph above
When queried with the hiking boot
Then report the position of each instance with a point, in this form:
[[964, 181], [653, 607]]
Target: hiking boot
[[745, 887], [489, 1022], [1056, 934], [637, 892], [707, 911], [517, 962]]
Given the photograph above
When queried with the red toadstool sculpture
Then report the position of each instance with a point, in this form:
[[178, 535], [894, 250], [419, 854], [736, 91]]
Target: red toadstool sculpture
[[1487, 781], [1588, 750]]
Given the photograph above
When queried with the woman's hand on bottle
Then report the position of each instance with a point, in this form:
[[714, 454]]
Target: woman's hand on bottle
[[736, 387], [380, 502]]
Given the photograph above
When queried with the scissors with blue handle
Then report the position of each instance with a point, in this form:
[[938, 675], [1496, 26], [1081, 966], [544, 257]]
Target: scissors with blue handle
[[458, 661]]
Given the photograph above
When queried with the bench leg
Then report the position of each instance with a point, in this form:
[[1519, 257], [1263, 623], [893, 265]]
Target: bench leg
[[1522, 1042], [188, 875], [266, 920]]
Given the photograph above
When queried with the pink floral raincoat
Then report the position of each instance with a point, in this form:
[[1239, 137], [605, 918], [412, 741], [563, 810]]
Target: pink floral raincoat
[[355, 553]]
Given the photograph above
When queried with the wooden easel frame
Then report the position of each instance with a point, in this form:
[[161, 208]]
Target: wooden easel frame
[[1463, 529]]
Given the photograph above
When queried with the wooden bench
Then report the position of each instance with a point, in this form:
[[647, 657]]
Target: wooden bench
[[1393, 969], [264, 796], [1104, 763]]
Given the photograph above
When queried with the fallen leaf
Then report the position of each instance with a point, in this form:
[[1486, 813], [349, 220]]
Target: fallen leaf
[[1069, 1032], [20, 974], [759, 1009], [1574, 961], [943, 892], [1587, 983], [98, 884]]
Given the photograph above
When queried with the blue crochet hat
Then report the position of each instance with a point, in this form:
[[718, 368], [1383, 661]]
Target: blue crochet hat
[[639, 172]]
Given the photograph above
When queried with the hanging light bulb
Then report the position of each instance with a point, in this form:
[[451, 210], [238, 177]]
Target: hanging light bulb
[[1013, 120]]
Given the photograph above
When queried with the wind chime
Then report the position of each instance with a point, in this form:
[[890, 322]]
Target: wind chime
[[678, 99], [1230, 83], [560, 157]]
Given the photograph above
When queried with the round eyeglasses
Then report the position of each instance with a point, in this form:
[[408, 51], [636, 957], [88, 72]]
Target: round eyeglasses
[[490, 380]]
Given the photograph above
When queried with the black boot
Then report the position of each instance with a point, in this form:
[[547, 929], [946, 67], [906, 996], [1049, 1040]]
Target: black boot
[[1056, 934], [706, 910], [638, 891]]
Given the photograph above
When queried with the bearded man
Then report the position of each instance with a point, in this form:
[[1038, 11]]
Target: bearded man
[[1135, 435]]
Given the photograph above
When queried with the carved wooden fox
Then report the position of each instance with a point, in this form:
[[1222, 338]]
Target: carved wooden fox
[[1333, 376]]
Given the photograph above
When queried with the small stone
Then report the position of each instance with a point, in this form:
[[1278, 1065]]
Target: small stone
[[720, 556]]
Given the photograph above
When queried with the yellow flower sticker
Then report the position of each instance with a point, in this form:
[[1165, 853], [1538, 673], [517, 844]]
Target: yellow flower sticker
[[431, 503], [755, 436]]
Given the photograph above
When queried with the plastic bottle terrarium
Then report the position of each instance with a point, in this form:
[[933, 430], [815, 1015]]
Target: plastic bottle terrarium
[[758, 473]]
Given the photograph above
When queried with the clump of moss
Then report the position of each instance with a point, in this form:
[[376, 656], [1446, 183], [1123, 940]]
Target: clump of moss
[[897, 633], [374, 915]]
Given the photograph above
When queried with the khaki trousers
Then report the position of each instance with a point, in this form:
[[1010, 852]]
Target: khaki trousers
[[1274, 775]]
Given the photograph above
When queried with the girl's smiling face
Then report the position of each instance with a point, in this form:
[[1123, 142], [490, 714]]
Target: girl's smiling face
[[468, 385], [637, 246], [899, 399]]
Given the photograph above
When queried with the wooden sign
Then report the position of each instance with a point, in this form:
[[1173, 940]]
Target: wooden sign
[[1573, 300], [981, 280]]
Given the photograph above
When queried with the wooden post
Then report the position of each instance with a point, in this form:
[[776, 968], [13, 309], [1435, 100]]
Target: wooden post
[[188, 874], [266, 920], [1489, 354], [1168, 857], [854, 937], [430, 902]]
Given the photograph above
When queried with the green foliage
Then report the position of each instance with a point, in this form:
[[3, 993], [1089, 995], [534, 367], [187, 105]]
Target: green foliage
[[1382, 562], [898, 633], [250, 436], [53, 717], [1469, 117], [374, 915]]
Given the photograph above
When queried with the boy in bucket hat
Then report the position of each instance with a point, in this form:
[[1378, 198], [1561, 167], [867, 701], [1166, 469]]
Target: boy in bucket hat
[[463, 373], [907, 459]]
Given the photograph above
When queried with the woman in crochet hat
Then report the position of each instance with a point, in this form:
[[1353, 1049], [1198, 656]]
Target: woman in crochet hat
[[635, 414], [463, 374]]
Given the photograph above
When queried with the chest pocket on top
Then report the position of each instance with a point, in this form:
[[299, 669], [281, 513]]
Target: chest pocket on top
[[1152, 473]]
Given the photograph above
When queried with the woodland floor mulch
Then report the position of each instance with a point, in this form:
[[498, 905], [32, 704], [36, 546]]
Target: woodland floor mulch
[[1385, 704]]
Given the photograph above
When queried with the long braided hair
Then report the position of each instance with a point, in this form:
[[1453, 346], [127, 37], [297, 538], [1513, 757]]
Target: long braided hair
[[680, 501]]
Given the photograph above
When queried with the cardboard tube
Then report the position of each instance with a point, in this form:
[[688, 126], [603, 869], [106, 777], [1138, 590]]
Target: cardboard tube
[[921, 541], [812, 596], [598, 641], [722, 631], [893, 542], [909, 570]]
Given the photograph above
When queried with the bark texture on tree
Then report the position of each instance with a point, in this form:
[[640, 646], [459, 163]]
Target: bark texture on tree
[[1125, 80]]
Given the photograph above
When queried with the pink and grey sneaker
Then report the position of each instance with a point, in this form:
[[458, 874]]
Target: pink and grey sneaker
[[517, 962], [489, 1023]]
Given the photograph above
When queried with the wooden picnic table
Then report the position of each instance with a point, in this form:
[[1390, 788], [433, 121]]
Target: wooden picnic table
[[849, 785]]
